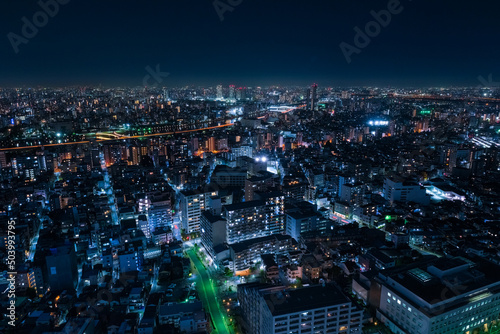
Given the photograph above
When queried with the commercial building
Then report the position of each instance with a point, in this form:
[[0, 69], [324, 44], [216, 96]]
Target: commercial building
[[399, 190], [446, 295]]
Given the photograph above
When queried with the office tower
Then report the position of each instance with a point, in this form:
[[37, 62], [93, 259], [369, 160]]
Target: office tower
[[143, 225], [314, 309], [314, 97], [445, 295], [166, 96], [220, 95], [232, 92], [241, 94], [210, 144], [62, 271], [192, 203], [449, 156], [344, 179], [308, 99]]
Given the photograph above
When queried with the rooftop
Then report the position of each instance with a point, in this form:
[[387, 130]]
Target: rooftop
[[304, 299]]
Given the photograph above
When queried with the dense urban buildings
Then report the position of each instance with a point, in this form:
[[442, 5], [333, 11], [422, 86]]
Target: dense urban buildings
[[250, 167], [279, 210]]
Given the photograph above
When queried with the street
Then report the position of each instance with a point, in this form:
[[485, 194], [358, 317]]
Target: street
[[209, 296]]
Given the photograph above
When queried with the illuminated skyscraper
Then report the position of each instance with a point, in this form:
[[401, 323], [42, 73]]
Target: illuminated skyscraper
[[220, 96], [232, 92], [241, 94]]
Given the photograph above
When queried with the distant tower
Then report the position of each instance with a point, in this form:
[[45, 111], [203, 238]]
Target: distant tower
[[308, 99], [165, 94], [232, 92], [241, 94], [314, 97], [219, 92]]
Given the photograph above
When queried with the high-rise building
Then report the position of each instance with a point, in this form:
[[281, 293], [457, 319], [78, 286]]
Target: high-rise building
[[314, 97], [95, 158], [213, 232], [192, 203], [241, 94], [275, 210], [301, 218], [220, 94], [232, 92], [315, 309], [258, 183], [245, 221]]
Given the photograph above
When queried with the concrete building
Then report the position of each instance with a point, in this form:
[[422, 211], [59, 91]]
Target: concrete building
[[226, 176], [446, 295], [399, 190], [62, 271], [275, 210], [213, 232], [315, 309], [192, 203], [245, 221], [300, 219], [353, 194], [248, 253]]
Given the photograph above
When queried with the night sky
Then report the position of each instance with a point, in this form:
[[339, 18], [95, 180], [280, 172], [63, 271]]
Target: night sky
[[261, 42]]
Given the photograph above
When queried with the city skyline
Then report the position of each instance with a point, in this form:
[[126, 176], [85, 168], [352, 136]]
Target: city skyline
[[249, 167]]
